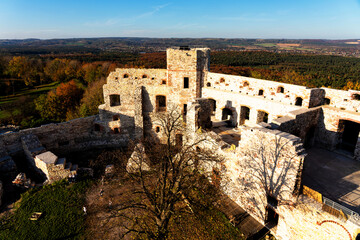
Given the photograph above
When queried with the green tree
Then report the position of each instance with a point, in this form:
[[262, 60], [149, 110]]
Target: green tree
[[93, 97]]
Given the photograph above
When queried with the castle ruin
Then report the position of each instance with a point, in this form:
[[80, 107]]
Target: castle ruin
[[263, 129]]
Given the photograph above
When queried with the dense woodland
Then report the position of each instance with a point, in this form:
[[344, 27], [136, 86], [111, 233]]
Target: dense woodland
[[41, 88]]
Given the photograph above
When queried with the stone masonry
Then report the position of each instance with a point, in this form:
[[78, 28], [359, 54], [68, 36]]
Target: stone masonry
[[261, 172]]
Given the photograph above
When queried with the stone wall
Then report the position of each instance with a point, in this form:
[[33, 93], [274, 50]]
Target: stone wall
[[266, 163], [234, 101], [301, 123], [53, 167], [343, 100], [329, 126], [75, 135], [271, 90], [7, 164]]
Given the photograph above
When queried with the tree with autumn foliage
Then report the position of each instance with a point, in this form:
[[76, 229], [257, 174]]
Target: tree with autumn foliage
[[28, 70], [93, 97], [55, 105]]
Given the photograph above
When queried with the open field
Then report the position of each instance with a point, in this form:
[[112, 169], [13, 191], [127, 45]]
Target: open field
[[28, 91], [288, 45]]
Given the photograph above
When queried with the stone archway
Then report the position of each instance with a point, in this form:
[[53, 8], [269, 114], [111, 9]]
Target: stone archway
[[244, 114], [262, 116], [229, 116]]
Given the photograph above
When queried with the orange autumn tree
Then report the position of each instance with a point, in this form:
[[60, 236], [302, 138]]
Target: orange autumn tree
[[55, 105]]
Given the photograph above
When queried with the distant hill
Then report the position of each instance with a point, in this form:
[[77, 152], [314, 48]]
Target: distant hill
[[346, 47]]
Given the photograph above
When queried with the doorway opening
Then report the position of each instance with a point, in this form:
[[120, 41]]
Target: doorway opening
[[349, 132]]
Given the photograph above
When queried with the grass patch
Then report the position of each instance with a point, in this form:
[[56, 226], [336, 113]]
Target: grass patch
[[4, 114], [29, 91], [266, 44], [61, 204]]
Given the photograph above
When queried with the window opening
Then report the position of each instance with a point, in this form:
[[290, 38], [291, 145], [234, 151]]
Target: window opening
[[114, 100], [186, 82]]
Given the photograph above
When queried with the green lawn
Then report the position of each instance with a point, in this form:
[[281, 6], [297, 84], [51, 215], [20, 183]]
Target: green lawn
[[61, 205]]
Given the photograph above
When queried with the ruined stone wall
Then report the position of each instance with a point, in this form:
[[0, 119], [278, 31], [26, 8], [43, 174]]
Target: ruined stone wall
[[266, 162], [307, 220], [343, 100], [120, 117], [301, 123], [75, 135], [234, 101], [271, 90], [329, 127], [179, 84]]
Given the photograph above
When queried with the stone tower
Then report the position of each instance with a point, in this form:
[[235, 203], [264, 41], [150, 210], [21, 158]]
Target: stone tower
[[186, 71]]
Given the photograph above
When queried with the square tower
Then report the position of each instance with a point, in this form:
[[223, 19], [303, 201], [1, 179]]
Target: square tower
[[186, 71]]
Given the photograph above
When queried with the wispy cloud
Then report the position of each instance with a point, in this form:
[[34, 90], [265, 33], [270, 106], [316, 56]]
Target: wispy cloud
[[126, 21], [246, 19], [150, 13]]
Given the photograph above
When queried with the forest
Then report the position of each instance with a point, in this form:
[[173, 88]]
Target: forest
[[42, 88]]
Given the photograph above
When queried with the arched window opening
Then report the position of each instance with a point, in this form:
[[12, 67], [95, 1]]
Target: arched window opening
[[280, 89], [157, 129], [126, 75], [116, 118], [144, 76], [261, 92], [244, 114], [163, 82], [114, 100], [355, 96], [226, 114], [298, 101], [160, 103], [262, 117], [208, 84]]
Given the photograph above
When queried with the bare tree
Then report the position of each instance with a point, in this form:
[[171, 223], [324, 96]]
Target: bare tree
[[164, 173], [271, 169]]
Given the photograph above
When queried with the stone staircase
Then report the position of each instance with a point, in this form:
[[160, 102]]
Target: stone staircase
[[50, 165]]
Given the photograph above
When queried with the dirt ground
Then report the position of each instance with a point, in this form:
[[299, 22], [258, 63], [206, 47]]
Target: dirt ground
[[100, 201]]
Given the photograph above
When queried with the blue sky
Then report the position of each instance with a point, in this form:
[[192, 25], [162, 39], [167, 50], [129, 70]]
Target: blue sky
[[326, 19]]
